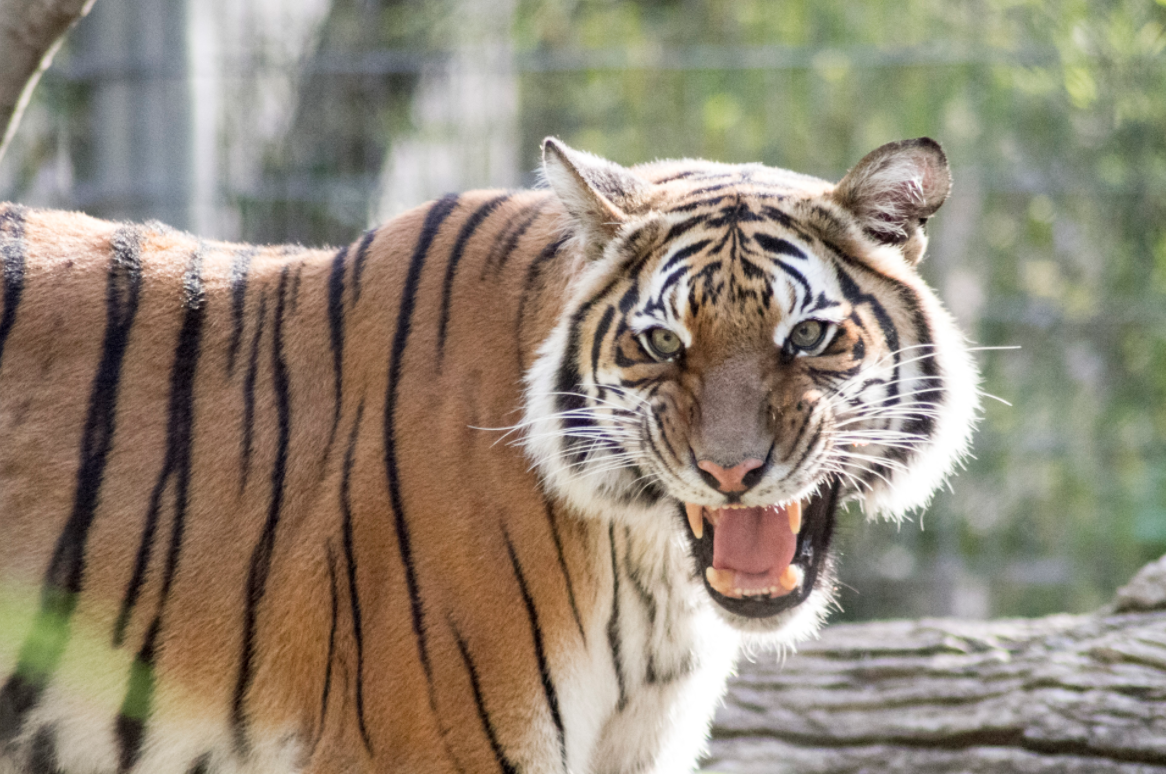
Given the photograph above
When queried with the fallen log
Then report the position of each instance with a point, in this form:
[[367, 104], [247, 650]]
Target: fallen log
[[1065, 694]]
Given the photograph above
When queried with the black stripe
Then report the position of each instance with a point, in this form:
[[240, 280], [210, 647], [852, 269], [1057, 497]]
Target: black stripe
[[294, 295], [360, 260], [651, 673], [733, 180], [130, 725], [261, 556], [857, 297], [797, 276], [12, 254], [336, 329], [201, 765], [569, 400], [751, 270], [568, 379], [683, 254], [642, 591], [179, 439], [42, 648], [683, 227], [19, 695], [655, 447], [563, 567], [135, 709], [328, 661], [499, 256], [613, 638], [809, 444], [350, 567], [249, 396], [677, 176], [778, 246], [533, 272], [237, 281], [597, 342], [666, 285], [710, 201], [504, 763], [549, 692], [468, 228], [42, 758], [437, 214]]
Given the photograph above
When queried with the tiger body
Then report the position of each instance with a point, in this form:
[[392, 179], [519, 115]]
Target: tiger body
[[383, 508]]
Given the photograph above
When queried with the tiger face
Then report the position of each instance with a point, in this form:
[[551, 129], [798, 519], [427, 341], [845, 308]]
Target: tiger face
[[747, 349]]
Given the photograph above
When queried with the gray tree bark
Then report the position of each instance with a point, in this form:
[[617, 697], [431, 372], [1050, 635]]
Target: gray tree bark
[[1066, 694], [30, 33]]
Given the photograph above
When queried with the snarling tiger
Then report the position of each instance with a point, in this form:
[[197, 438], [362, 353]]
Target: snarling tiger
[[501, 486]]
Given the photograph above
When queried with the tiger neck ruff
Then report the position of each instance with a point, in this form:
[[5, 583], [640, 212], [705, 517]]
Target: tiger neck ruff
[[501, 486]]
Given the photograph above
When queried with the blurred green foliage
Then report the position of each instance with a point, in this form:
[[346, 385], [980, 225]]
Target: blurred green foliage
[[1054, 119], [1053, 116]]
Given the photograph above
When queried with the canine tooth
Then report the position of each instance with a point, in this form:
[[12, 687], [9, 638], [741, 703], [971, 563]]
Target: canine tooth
[[791, 577], [794, 510], [722, 581], [695, 515]]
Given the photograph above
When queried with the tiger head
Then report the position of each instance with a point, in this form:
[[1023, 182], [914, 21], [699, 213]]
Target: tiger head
[[743, 350]]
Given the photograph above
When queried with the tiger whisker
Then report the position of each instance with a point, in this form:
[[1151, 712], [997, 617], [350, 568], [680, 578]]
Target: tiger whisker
[[836, 469], [872, 472]]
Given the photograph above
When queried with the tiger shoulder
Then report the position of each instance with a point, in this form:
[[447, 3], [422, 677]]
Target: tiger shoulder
[[502, 486]]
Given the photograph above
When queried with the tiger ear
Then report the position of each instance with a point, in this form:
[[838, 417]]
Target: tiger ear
[[895, 189], [599, 194]]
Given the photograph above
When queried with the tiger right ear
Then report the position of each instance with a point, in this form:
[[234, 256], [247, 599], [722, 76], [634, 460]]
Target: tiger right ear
[[599, 194], [895, 188]]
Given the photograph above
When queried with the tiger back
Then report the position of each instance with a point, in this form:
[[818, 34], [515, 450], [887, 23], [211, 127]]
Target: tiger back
[[499, 486]]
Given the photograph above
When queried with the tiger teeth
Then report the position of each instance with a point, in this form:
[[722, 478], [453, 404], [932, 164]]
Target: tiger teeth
[[695, 515], [698, 513], [791, 577], [722, 581]]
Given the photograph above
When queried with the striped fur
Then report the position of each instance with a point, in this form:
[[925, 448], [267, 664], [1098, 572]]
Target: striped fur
[[418, 503]]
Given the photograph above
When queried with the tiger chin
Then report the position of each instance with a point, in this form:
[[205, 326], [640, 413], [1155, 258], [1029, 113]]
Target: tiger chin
[[501, 486]]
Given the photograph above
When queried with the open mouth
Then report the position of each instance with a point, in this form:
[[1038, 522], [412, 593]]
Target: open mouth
[[759, 561]]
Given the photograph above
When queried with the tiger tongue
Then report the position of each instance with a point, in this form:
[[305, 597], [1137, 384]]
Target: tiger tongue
[[753, 540]]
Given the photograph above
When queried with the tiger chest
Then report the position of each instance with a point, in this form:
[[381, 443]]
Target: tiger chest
[[639, 692]]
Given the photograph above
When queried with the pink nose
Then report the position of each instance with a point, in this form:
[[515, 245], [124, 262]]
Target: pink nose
[[730, 479]]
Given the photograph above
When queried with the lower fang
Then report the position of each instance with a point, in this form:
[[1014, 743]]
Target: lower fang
[[722, 581], [791, 577]]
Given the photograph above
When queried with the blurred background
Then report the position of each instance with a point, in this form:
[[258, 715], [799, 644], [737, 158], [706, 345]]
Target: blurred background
[[309, 120]]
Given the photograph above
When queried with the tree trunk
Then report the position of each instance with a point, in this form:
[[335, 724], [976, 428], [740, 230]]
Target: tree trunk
[[1067, 693], [30, 32]]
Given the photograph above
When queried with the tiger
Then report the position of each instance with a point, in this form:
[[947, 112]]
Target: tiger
[[505, 485]]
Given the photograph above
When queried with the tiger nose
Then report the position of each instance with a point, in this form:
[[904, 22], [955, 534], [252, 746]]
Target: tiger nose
[[730, 479]]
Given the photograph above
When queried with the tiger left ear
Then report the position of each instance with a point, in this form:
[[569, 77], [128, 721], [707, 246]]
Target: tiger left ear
[[895, 189], [599, 194]]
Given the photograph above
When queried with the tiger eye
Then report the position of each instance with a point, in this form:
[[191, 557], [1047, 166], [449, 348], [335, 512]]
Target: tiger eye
[[665, 343], [808, 334]]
